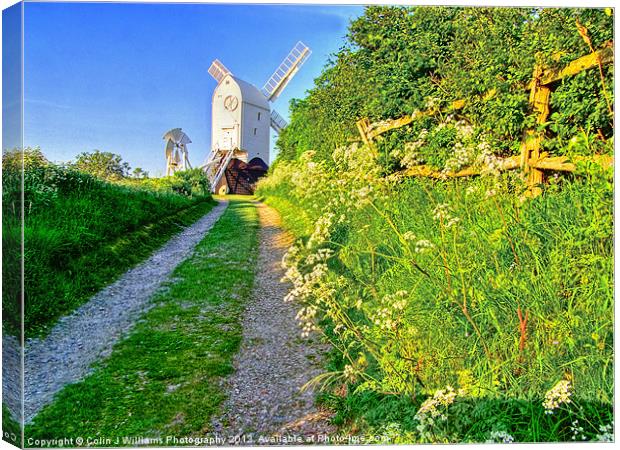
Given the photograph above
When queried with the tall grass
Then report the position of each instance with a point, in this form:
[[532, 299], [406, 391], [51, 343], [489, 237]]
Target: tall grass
[[80, 233], [422, 284]]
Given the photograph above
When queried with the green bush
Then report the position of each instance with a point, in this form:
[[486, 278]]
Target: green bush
[[399, 60], [191, 183]]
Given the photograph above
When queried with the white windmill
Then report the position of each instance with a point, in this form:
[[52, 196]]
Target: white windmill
[[176, 151], [242, 116]]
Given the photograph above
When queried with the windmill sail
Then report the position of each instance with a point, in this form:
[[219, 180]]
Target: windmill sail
[[218, 70], [285, 72], [277, 122]]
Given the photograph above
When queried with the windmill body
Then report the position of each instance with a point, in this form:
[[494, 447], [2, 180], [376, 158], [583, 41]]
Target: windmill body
[[241, 121]]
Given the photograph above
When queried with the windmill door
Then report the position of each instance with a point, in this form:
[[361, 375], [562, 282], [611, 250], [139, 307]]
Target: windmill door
[[229, 136]]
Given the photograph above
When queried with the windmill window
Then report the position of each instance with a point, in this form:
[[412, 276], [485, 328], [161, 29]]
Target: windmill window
[[258, 116], [255, 130]]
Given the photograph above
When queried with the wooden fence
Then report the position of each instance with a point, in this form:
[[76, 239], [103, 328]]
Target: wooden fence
[[532, 161]]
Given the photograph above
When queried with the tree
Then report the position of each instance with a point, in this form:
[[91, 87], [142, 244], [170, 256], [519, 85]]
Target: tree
[[139, 173], [104, 165], [29, 157]]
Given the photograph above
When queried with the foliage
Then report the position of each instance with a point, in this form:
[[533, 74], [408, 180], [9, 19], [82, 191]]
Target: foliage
[[391, 419], [138, 172], [11, 429], [80, 233], [425, 284], [104, 165], [399, 60], [166, 376], [191, 182]]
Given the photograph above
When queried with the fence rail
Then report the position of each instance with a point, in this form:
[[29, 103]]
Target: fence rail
[[531, 160]]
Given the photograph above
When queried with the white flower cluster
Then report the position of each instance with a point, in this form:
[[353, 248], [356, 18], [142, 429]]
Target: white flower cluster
[[443, 214], [489, 163], [307, 274], [500, 437], [423, 245], [322, 229], [464, 148], [349, 372], [558, 395], [576, 431], [386, 316], [306, 317], [409, 155], [419, 246], [606, 433], [434, 408], [409, 236], [462, 156]]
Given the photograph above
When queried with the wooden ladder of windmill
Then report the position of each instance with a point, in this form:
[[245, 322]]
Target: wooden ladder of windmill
[[216, 165]]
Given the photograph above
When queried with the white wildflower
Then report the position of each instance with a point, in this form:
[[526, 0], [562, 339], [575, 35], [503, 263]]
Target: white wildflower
[[606, 433], [577, 431], [500, 437], [423, 245], [558, 395], [409, 236], [434, 408], [443, 214]]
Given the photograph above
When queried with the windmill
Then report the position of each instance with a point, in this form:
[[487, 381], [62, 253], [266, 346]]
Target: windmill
[[242, 118], [176, 151]]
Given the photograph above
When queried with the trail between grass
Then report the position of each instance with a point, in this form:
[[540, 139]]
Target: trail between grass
[[89, 333], [264, 393]]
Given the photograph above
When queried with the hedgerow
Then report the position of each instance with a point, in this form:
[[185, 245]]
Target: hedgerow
[[398, 60]]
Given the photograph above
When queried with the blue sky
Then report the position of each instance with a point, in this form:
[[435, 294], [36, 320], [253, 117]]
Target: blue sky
[[116, 77], [11, 77]]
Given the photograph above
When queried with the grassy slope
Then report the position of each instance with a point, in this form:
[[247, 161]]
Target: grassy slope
[[163, 379], [81, 277], [80, 234]]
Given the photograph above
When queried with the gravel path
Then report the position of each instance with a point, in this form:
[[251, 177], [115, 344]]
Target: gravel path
[[274, 362], [89, 333]]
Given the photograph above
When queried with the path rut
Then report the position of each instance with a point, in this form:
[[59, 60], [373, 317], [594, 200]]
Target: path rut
[[274, 362]]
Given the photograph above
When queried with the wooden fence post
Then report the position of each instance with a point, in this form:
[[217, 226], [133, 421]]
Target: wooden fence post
[[362, 127], [530, 147]]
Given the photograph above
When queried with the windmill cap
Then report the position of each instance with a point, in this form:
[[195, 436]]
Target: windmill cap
[[178, 136]]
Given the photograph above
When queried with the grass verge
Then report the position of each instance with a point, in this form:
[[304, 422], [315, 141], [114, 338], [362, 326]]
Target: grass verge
[[486, 316], [164, 378], [85, 275]]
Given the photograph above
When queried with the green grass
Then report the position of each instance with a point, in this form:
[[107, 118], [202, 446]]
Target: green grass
[[468, 421], [164, 378], [80, 234], [11, 429], [550, 258]]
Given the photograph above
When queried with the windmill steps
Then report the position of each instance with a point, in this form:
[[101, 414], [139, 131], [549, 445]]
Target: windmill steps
[[240, 177]]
